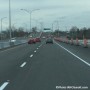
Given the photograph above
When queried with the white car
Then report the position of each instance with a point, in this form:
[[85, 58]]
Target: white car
[[12, 40]]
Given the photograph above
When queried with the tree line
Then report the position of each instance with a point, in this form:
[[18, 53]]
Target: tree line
[[74, 33], [17, 32], [20, 32]]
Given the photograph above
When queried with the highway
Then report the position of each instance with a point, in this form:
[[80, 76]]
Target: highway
[[41, 66]]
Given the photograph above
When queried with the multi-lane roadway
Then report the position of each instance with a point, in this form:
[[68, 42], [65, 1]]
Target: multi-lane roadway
[[42, 66]]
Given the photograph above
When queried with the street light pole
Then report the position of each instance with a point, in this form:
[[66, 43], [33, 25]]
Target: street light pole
[[10, 18], [1, 26], [30, 12], [52, 27], [25, 26], [30, 21], [13, 30], [1, 31]]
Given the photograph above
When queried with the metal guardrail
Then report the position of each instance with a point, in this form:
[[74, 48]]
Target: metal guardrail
[[6, 44]]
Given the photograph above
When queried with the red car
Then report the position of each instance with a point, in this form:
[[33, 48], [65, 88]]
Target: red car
[[31, 41], [37, 39]]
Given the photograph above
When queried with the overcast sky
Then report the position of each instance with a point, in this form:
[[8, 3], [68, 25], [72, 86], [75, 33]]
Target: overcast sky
[[68, 12]]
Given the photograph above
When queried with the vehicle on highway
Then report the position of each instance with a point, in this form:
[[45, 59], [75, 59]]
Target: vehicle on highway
[[12, 40], [49, 40], [37, 39], [31, 41]]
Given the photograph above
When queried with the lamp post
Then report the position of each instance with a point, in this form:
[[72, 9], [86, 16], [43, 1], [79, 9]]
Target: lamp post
[[10, 18], [53, 27], [1, 25], [36, 22], [25, 26], [30, 12], [1, 31], [59, 20], [13, 29]]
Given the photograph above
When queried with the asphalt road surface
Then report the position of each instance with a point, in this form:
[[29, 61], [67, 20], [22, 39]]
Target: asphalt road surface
[[41, 66]]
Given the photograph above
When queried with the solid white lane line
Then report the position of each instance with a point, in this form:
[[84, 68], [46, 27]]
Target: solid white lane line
[[41, 44], [31, 55], [74, 55], [4, 85], [23, 64]]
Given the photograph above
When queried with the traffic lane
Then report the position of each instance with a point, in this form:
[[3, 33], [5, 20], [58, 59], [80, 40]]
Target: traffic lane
[[78, 50], [12, 58], [51, 66]]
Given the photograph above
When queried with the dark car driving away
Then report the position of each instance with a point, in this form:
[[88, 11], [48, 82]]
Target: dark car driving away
[[49, 40]]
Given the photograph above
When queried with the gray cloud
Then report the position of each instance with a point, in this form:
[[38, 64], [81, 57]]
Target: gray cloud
[[77, 12]]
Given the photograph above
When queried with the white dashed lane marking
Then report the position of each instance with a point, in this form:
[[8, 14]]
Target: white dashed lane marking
[[4, 85], [40, 45], [23, 64], [31, 55], [35, 51]]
